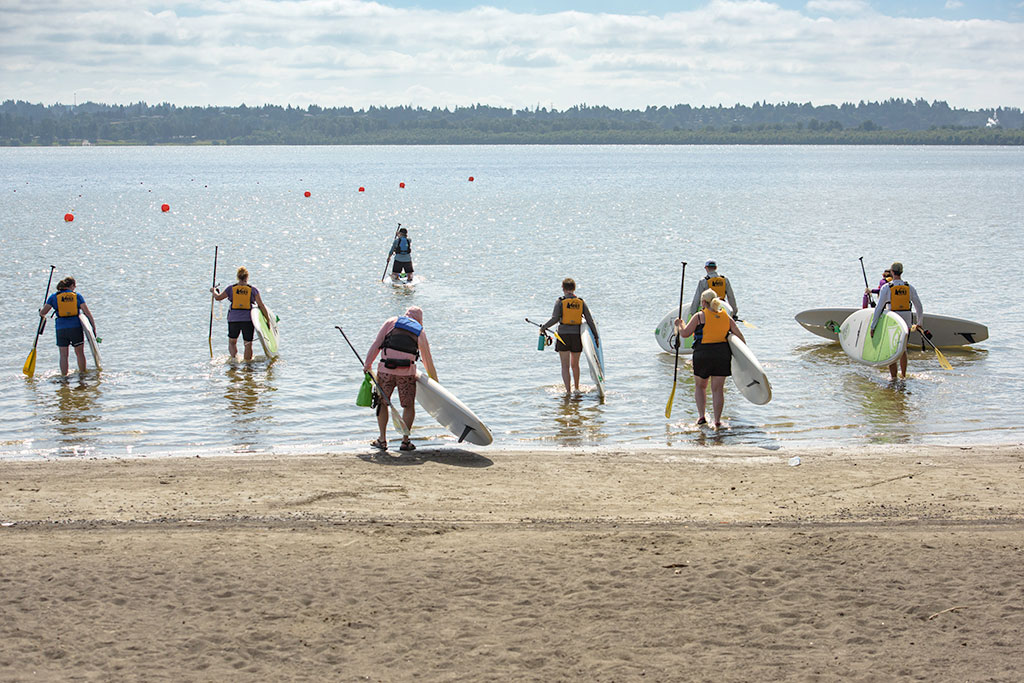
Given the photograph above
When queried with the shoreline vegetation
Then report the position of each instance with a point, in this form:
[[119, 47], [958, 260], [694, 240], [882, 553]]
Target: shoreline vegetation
[[893, 122]]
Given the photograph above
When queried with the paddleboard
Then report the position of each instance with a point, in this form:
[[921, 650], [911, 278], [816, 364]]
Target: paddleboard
[[884, 348], [665, 332], [748, 374], [403, 282], [90, 338], [590, 350], [946, 330], [266, 331], [450, 412]]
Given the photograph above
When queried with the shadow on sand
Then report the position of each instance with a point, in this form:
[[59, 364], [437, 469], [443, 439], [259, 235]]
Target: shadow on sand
[[442, 455]]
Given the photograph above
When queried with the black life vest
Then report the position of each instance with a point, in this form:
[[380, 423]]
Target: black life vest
[[403, 338]]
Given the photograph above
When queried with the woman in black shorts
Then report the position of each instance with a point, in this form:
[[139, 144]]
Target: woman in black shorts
[[712, 357], [570, 311]]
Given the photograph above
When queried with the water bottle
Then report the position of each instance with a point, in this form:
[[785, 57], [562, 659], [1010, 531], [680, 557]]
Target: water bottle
[[540, 342]]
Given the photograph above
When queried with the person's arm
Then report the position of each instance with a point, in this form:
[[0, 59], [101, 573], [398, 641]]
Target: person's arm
[[915, 301], [371, 354], [44, 310], [428, 360], [263, 308], [731, 298], [394, 248], [590, 321], [555, 317], [88, 314], [735, 329], [690, 327], [883, 299], [219, 296], [695, 304]]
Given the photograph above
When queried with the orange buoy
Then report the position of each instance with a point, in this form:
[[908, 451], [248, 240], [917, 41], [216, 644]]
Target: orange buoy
[[362, 189], [401, 185], [471, 178], [68, 217], [165, 207], [307, 193]]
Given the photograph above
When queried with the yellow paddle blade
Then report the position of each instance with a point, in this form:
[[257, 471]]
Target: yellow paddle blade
[[30, 363], [558, 338], [942, 359], [751, 326], [399, 424], [668, 406]]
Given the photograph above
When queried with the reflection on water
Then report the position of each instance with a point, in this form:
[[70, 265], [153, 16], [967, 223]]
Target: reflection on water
[[885, 405], [578, 420], [73, 409], [248, 391]]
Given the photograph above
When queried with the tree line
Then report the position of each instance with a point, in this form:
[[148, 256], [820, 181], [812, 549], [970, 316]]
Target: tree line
[[894, 121]]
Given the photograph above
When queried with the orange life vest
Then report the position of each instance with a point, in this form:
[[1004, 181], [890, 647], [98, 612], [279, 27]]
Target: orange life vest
[[241, 297], [67, 304], [572, 310], [716, 327], [717, 283], [899, 296]]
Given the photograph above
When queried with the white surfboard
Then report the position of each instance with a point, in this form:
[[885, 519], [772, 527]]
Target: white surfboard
[[590, 350], [450, 412], [946, 330], [266, 331], [748, 374], [90, 338], [879, 350], [665, 332]]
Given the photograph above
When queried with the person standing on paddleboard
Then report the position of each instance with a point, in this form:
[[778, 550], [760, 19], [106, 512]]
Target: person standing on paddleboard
[[866, 299], [712, 356], [900, 296], [242, 297], [570, 310], [719, 284], [68, 304], [401, 341], [402, 249]]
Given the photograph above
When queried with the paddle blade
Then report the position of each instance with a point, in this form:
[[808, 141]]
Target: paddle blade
[[942, 360], [30, 363], [751, 326], [671, 398], [396, 420]]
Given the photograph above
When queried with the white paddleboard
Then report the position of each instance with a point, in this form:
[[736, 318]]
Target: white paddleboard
[[266, 331], [665, 332], [946, 330], [748, 374], [879, 350], [90, 338], [590, 350], [450, 412]]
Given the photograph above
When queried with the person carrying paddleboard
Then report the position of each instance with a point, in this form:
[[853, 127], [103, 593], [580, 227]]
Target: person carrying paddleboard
[[569, 312], [712, 355], [715, 282], [900, 296], [402, 249], [242, 297], [866, 299], [401, 341], [68, 304]]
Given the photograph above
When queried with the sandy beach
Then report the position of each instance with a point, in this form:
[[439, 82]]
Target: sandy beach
[[716, 564]]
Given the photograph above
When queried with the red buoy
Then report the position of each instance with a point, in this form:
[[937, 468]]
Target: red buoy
[[165, 207], [68, 217], [471, 179], [362, 189], [307, 193], [401, 185]]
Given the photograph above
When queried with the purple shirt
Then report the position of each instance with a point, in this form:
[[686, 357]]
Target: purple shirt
[[237, 315]]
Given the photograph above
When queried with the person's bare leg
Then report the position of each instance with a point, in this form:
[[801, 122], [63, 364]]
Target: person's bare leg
[[700, 395], [903, 365], [563, 357], [233, 347], [80, 354], [63, 359], [574, 360], [718, 398], [248, 351]]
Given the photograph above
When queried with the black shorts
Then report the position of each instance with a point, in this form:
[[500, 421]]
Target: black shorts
[[573, 342], [402, 266], [74, 336], [712, 360], [244, 326]]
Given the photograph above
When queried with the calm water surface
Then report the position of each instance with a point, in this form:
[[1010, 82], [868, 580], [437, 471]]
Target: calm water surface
[[786, 224]]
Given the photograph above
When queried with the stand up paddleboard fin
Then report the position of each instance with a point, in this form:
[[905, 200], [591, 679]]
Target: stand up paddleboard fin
[[465, 433]]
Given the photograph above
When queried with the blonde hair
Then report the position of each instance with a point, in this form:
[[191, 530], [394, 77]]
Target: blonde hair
[[710, 300], [242, 274]]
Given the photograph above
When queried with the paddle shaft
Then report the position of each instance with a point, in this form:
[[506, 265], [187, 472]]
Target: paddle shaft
[[938, 354], [388, 261], [866, 285], [213, 297], [404, 429], [675, 370], [541, 326], [42, 320]]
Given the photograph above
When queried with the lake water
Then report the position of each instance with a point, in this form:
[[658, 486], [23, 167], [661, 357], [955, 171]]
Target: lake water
[[786, 225]]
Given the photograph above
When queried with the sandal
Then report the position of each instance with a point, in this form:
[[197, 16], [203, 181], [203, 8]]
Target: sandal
[[407, 446], [380, 443]]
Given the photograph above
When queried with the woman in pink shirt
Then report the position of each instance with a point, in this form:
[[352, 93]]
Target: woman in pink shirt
[[400, 342]]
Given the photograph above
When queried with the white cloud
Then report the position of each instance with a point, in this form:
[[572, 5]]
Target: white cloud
[[349, 52], [954, 4]]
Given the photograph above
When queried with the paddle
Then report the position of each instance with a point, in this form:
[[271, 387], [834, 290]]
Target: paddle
[[552, 331], [942, 359], [213, 297], [396, 419], [675, 371], [30, 363], [389, 259], [866, 285]]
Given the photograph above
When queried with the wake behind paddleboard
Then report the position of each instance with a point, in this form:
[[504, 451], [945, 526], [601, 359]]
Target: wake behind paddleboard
[[450, 412]]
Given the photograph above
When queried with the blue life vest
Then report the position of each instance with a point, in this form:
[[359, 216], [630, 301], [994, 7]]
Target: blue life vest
[[404, 246]]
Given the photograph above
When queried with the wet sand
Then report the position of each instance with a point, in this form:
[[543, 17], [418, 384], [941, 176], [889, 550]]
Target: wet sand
[[696, 564]]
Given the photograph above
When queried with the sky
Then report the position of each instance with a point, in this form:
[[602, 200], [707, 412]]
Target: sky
[[512, 53]]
